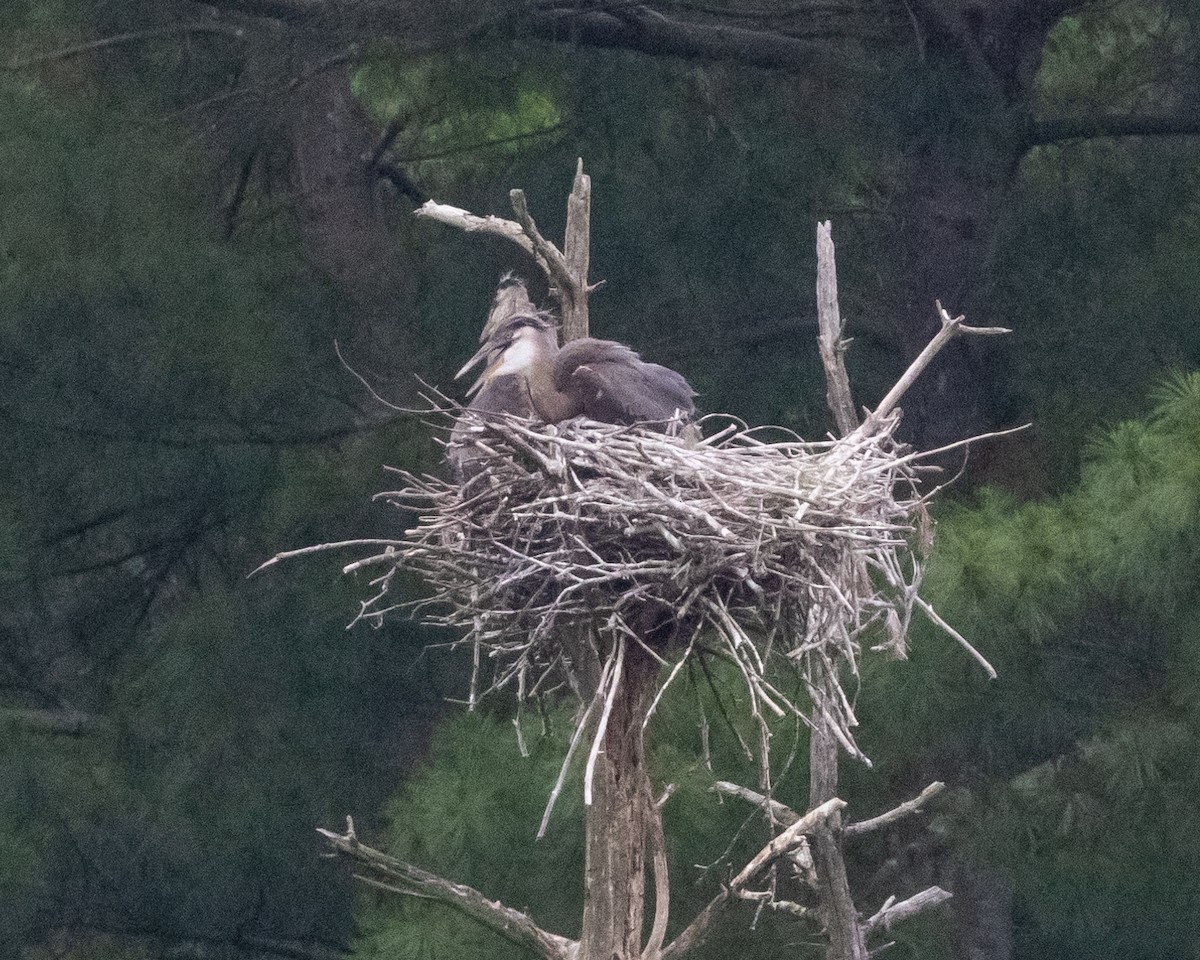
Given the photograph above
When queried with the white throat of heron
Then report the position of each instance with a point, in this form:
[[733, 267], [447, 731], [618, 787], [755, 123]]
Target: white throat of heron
[[518, 358]]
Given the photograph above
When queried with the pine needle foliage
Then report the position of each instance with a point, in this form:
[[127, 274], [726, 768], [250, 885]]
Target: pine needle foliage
[[1078, 762]]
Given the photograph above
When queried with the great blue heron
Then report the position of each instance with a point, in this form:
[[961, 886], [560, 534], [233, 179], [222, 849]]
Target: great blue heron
[[598, 379], [527, 374]]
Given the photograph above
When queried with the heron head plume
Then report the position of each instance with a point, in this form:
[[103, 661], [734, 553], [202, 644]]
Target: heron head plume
[[511, 299]]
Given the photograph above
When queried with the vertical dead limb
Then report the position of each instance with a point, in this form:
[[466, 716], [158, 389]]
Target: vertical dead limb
[[567, 269], [846, 935], [830, 341], [620, 814], [662, 886], [846, 939], [621, 817], [577, 252]]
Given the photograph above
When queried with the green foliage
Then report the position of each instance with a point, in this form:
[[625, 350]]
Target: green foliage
[[1109, 301], [695, 205], [1111, 55], [171, 413], [477, 101], [1080, 754], [471, 813]]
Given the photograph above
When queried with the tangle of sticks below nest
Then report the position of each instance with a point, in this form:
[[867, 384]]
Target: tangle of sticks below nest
[[752, 542]]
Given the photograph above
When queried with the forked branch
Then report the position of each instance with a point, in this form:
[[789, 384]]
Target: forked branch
[[784, 814], [565, 270], [470, 223], [892, 912], [951, 328], [696, 932]]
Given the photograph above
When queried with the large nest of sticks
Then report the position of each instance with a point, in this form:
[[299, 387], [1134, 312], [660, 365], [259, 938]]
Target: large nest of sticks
[[752, 542]]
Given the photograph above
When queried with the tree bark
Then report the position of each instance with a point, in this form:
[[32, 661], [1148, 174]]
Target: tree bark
[[338, 210], [617, 823], [955, 176], [982, 911], [846, 941]]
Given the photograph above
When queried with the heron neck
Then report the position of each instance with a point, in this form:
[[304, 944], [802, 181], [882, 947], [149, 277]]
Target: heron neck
[[552, 406]]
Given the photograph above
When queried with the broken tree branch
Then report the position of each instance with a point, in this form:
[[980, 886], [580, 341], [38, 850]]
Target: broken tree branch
[[779, 812], [830, 341], [696, 932], [951, 328], [662, 883], [565, 270], [577, 254], [558, 271], [403, 878], [892, 912], [470, 223], [907, 808]]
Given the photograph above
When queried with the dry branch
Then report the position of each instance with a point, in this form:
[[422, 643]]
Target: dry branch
[[566, 270], [892, 912], [547, 253], [577, 254], [909, 807], [831, 342], [470, 223], [951, 328], [403, 878], [696, 932], [662, 887], [781, 813]]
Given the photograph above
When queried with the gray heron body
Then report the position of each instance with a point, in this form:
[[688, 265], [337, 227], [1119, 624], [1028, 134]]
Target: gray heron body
[[527, 374]]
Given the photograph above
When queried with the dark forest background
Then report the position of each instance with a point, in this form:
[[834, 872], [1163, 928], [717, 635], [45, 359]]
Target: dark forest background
[[198, 199]]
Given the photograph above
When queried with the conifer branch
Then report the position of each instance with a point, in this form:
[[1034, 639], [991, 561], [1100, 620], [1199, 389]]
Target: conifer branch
[[134, 36]]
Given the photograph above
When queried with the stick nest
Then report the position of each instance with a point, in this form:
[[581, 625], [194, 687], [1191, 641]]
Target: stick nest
[[752, 543]]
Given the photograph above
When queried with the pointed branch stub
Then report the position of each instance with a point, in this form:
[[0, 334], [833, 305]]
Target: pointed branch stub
[[830, 341], [577, 251]]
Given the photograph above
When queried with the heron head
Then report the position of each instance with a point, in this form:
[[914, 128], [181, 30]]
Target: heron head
[[512, 348], [510, 300]]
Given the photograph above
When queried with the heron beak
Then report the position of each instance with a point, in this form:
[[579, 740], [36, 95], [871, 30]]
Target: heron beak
[[487, 374], [479, 356]]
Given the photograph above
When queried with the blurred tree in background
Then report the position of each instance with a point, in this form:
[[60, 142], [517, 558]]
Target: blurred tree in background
[[197, 200]]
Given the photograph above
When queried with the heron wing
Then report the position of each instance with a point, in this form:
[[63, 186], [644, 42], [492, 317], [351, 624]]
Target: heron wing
[[611, 383]]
